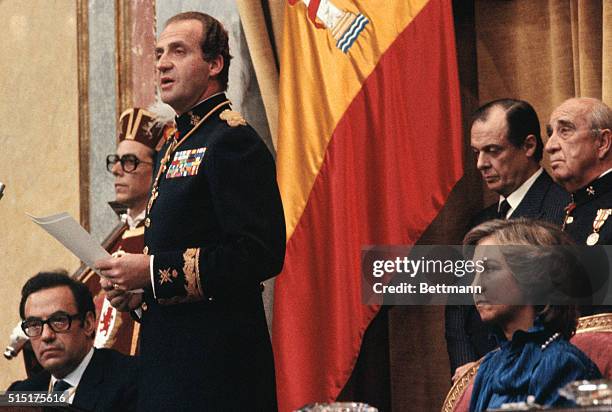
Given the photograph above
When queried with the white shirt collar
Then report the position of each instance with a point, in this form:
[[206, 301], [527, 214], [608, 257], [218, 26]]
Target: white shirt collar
[[605, 173], [133, 222], [515, 198], [74, 377]]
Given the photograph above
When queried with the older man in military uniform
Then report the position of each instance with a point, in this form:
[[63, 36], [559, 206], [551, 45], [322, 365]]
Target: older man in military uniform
[[580, 149], [214, 231]]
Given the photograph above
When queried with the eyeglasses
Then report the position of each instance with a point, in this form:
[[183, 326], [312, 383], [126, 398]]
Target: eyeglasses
[[129, 162], [58, 323]]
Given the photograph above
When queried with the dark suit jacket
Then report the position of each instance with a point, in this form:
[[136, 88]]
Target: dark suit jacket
[[545, 200], [467, 338], [108, 383]]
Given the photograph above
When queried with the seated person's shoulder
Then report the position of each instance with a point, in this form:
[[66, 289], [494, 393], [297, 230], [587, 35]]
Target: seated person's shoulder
[[18, 386], [38, 382], [564, 356]]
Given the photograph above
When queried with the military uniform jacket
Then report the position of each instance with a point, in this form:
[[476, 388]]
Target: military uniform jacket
[[588, 222], [582, 215], [216, 229]]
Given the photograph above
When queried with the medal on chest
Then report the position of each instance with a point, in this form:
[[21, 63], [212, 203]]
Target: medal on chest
[[187, 166], [600, 219], [568, 214]]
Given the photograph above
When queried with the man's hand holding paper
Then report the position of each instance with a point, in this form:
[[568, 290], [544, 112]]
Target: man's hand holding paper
[[126, 272]]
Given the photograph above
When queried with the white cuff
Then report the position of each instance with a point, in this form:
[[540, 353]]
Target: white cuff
[[152, 277]]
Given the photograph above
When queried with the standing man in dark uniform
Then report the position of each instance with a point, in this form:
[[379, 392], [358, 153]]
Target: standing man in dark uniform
[[580, 148], [214, 231], [505, 136]]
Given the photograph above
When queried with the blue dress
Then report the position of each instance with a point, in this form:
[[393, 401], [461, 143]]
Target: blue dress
[[521, 368]]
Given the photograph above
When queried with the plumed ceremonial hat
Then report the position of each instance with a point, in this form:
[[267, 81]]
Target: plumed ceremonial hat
[[145, 126]]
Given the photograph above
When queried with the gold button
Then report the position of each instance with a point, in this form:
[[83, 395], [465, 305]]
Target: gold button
[[145, 250], [144, 306], [569, 220], [147, 222]]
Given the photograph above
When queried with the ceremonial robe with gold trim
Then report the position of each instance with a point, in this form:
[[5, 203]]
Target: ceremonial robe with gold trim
[[116, 329], [216, 228]]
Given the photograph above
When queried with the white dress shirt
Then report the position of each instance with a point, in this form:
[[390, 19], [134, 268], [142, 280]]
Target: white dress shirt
[[74, 377], [515, 198]]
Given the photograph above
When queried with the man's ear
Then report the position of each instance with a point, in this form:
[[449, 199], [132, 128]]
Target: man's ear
[[530, 145], [605, 143], [89, 324], [216, 65]]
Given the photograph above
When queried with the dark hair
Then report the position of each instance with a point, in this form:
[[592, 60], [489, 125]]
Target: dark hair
[[214, 41], [521, 118], [536, 268], [47, 280]]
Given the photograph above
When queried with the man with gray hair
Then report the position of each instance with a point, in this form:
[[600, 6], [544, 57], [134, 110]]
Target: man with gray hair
[[580, 149]]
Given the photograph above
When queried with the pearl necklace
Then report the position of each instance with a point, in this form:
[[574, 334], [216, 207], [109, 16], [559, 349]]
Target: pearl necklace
[[550, 340]]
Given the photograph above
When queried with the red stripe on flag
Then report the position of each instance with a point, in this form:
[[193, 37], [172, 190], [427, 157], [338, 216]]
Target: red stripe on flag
[[392, 161]]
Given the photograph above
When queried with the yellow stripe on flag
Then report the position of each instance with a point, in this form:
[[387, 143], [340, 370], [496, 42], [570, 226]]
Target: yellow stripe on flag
[[312, 103]]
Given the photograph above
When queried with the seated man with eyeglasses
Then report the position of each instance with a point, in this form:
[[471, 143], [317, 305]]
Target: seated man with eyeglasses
[[59, 317]]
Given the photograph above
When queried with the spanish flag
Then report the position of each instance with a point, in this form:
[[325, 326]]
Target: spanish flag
[[369, 149]]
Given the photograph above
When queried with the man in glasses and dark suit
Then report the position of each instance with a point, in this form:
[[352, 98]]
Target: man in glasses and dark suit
[[59, 318]]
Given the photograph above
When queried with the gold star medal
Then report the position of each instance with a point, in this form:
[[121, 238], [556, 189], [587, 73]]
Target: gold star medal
[[600, 219]]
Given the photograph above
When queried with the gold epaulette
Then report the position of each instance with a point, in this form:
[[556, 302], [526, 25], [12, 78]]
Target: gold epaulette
[[232, 118]]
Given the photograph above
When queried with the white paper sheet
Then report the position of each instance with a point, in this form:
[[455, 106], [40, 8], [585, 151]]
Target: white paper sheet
[[69, 233]]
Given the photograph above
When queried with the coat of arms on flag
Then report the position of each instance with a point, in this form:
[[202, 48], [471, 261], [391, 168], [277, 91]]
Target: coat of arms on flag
[[343, 25]]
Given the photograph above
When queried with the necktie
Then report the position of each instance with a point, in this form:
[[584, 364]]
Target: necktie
[[504, 206], [61, 386]]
